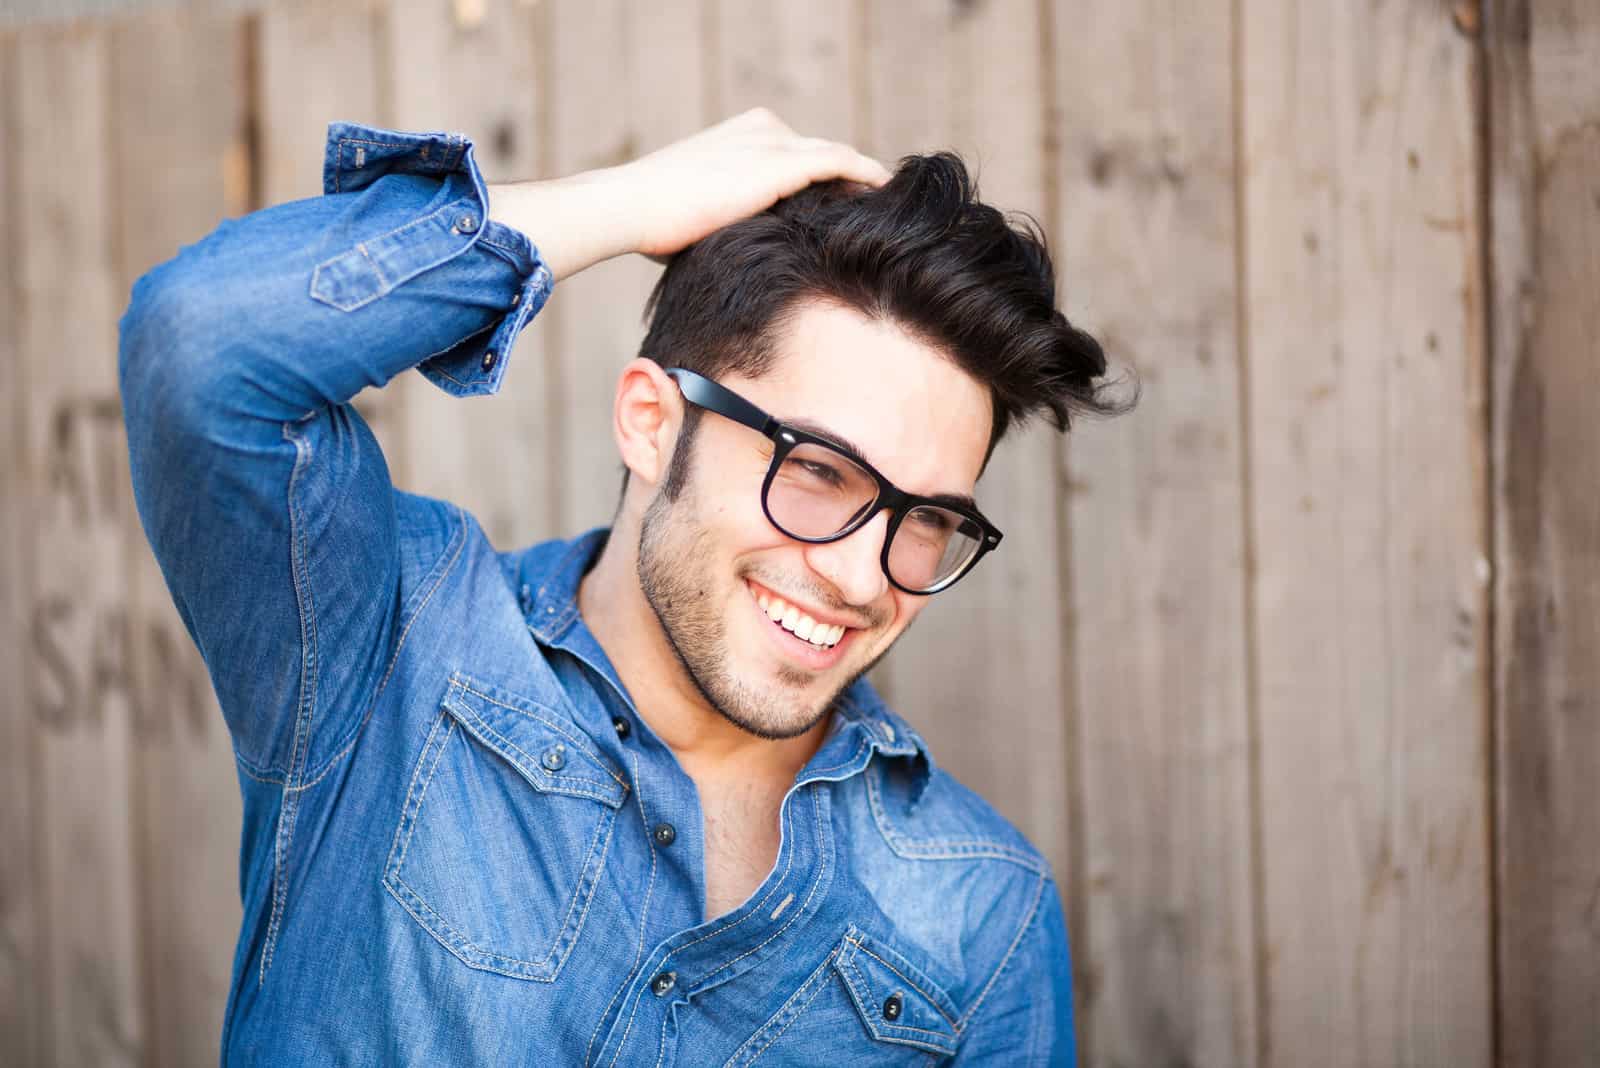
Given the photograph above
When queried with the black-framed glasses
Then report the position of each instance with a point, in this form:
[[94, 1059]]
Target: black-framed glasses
[[817, 491]]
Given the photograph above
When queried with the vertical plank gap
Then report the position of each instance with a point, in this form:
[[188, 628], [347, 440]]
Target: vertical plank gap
[[1252, 681], [1076, 903], [1485, 195], [250, 108]]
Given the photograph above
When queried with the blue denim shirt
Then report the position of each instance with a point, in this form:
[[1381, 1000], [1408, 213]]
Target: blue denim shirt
[[455, 845]]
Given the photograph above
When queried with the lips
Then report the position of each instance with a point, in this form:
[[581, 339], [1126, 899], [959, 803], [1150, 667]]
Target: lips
[[799, 634]]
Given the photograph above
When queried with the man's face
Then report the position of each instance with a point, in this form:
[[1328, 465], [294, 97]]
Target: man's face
[[709, 559]]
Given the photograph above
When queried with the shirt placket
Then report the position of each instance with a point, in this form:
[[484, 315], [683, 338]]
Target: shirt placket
[[694, 961]]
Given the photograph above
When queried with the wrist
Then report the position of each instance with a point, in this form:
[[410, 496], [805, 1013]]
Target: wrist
[[575, 221]]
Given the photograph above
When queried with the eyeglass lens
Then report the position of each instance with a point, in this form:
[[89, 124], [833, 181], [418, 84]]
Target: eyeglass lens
[[817, 492]]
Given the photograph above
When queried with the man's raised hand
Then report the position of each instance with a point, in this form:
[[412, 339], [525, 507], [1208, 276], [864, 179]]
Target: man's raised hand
[[672, 197]]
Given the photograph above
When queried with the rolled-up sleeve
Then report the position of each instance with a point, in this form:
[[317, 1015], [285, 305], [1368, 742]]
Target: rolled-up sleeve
[[263, 493]]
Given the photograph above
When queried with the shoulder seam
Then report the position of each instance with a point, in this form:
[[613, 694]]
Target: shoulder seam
[[971, 848], [442, 567], [1010, 955]]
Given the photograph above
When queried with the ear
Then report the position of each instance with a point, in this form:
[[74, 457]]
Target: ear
[[645, 419]]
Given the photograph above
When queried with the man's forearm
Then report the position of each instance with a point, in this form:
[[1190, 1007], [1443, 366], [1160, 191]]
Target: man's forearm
[[576, 221]]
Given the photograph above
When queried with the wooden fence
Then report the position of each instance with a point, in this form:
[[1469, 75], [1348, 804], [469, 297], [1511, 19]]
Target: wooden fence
[[1292, 672]]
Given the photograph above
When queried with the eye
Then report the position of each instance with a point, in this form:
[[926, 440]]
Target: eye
[[821, 471]]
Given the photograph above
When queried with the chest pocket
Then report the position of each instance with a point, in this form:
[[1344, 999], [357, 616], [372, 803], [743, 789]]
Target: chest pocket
[[504, 832], [866, 1004]]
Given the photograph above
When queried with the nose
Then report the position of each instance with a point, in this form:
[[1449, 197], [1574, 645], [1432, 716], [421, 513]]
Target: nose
[[853, 564]]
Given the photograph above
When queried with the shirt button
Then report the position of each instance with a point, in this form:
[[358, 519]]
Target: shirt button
[[555, 758], [892, 1007], [488, 359], [623, 730], [663, 982], [466, 224], [665, 834]]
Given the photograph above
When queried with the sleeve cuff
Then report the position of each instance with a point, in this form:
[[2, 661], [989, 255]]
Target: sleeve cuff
[[357, 156]]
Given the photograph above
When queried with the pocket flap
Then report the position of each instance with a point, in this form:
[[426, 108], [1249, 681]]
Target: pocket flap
[[374, 267], [542, 744], [897, 1001]]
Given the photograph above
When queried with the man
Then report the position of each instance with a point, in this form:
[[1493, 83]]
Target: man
[[622, 799]]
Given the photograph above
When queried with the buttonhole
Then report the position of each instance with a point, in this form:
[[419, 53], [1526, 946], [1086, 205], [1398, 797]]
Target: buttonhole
[[782, 905]]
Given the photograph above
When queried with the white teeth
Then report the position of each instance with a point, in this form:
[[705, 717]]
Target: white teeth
[[802, 626]]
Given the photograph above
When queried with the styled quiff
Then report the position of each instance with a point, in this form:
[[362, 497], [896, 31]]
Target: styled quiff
[[922, 252]]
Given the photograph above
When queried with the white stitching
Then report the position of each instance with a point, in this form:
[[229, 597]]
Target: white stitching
[[1015, 942], [578, 740], [818, 979], [644, 914], [394, 658], [862, 946], [944, 848]]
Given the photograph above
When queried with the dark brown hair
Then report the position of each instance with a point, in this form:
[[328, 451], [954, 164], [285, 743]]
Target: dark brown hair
[[923, 252]]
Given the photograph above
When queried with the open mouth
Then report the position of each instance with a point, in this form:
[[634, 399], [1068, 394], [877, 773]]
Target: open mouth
[[814, 642]]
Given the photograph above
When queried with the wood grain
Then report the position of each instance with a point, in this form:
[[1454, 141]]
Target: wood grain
[[1545, 169], [315, 63], [80, 696], [186, 800], [1364, 325], [1154, 525], [800, 61], [23, 1007]]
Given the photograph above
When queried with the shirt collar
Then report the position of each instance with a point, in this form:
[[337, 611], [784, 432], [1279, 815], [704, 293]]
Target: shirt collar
[[546, 577]]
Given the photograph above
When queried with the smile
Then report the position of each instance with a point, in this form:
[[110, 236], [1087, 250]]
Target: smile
[[797, 622]]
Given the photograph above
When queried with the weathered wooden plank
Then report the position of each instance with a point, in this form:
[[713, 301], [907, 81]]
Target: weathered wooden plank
[[474, 69], [1367, 458], [627, 77], [1155, 535], [23, 1008], [315, 63], [981, 674], [1545, 171], [177, 100], [799, 60], [79, 696]]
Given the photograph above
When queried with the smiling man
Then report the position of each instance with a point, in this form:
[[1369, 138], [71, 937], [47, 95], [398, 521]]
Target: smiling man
[[623, 799]]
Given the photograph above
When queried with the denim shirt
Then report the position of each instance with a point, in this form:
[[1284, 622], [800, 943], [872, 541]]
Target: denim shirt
[[462, 843]]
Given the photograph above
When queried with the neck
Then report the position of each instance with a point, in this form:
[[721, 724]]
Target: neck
[[710, 748]]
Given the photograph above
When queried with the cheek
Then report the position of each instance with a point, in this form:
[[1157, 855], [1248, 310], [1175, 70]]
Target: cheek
[[906, 608]]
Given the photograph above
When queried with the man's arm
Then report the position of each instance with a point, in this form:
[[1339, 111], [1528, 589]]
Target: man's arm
[[263, 493]]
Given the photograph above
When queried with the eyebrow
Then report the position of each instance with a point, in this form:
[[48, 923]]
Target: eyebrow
[[850, 449]]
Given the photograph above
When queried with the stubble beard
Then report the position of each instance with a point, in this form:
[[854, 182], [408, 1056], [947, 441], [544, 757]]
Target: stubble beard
[[674, 565]]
